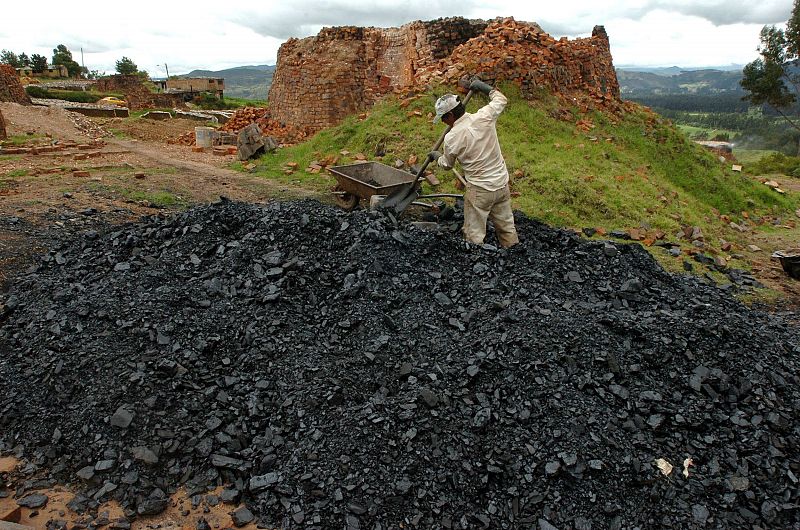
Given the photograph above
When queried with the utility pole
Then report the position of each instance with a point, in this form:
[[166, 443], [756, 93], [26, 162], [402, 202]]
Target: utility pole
[[167, 68], [82, 63]]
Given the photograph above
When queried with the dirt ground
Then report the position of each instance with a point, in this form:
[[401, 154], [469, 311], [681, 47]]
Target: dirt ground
[[181, 513], [119, 179]]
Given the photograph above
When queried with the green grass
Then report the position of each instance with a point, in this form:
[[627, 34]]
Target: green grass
[[22, 139], [705, 133], [242, 102], [775, 163], [8, 158], [15, 173], [622, 173], [747, 157]]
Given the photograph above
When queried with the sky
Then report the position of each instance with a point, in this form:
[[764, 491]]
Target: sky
[[225, 33]]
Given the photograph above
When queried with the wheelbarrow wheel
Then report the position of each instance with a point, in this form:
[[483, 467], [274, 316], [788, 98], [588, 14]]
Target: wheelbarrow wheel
[[346, 201]]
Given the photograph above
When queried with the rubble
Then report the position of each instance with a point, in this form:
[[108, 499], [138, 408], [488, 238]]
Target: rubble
[[10, 86], [344, 70], [332, 369], [510, 50]]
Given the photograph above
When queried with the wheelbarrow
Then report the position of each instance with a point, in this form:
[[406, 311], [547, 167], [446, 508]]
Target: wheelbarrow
[[357, 182], [790, 261]]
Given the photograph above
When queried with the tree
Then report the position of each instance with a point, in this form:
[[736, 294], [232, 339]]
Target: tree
[[62, 55], [9, 57], [38, 63], [24, 60], [126, 66], [766, 78]]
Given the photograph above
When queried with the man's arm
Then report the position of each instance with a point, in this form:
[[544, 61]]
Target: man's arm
[[448, 158], [497, 103]]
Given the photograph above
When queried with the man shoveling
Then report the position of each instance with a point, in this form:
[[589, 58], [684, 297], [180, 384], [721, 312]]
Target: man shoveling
[[473, 142]]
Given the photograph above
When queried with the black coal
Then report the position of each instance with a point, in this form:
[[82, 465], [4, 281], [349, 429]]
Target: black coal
[[335, 370]]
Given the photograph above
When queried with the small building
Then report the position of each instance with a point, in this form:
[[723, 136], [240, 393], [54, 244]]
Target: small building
[[52, 71], [194, 85]]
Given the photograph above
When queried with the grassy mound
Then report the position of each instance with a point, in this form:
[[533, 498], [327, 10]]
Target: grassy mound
[[569, 168]]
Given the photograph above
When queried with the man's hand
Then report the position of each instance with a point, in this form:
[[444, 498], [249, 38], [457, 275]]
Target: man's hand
[[480, 86], [433, 156]]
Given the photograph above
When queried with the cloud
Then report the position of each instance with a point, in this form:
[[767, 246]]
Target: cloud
[[304, 18], [217, 35], [722, 13]]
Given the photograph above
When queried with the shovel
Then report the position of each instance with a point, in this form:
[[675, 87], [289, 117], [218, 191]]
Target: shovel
[[402, 198]]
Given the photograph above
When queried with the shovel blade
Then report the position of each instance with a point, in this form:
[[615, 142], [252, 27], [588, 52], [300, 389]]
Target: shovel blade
[[401, 199]]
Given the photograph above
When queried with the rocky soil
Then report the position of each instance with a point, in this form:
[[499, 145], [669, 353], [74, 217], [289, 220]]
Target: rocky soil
[[340, 370]]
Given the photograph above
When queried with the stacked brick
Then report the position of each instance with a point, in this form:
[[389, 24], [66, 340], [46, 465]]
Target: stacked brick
[[321, 80], [521, 52], [342, 71], [10, 86]]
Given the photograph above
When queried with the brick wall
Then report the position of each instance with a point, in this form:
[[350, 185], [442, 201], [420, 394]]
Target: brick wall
[[344, 70], [3, 134], [10, 86], [320, 80]]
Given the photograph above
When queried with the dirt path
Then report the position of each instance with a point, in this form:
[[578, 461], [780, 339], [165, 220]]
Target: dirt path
[[74, 183]]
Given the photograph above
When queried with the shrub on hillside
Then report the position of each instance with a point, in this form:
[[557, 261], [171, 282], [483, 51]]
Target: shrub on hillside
[[776, 163], [67, 95]]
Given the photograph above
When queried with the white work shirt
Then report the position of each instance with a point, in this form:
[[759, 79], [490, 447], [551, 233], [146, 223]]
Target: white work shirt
[[473, 142]]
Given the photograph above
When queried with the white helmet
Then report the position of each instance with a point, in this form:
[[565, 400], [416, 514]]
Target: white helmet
[[444, 105]]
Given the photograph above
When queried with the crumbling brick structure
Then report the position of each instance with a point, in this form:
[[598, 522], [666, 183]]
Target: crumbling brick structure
[[10, 86], [341, 71], [320, 80], [137, 94], [3, 134]]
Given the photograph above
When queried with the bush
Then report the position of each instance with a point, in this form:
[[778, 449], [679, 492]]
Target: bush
[[37, 92], [67, 95], [209, 101], [776, 163]]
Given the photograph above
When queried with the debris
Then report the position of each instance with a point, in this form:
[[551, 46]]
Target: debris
[[688, 462], [737, 168], [664, 466]]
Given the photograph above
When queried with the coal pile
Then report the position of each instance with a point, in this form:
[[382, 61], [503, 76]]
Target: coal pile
[[337, 370]]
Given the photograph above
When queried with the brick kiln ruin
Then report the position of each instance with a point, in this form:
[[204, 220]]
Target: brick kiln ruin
[[10, 86], [320, 80]]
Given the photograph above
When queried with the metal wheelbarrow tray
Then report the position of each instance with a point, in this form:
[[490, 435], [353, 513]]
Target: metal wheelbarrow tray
[[362, 181]]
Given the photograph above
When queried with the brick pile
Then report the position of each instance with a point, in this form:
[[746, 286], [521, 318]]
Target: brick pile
[[342, 71], [10, 86], [242, 118], [509, 50], [285, 134]]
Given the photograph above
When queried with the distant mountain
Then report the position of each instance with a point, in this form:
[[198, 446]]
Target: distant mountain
[[675, 80], [675, 70], [249, 82]]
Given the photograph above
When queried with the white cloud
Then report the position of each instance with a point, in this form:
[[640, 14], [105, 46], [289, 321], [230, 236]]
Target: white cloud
[[215, 35]]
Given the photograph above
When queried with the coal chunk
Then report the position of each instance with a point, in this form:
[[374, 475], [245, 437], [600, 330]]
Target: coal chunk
[[242, 516], [34, 500], [122, 418]]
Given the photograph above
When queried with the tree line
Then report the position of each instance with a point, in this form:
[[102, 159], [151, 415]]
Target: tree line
[[62, 56]]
